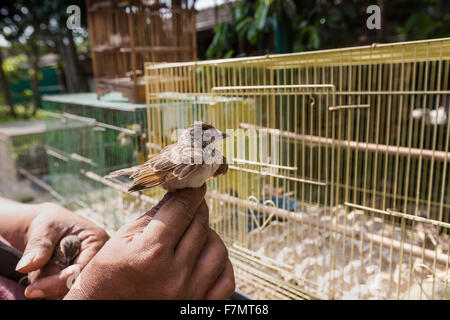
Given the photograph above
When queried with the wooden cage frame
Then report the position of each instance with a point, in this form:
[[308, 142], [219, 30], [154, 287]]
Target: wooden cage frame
[[125, 34]]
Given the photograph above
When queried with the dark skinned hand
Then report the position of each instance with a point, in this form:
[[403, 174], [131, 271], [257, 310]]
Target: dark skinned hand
[[169, 253], [51, 223]]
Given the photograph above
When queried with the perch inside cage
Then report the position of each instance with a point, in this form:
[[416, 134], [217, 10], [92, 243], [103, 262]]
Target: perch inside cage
[[338, 187]]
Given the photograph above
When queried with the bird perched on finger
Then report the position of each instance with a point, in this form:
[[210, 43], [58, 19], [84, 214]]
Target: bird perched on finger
[[67, 250], [186, 164]]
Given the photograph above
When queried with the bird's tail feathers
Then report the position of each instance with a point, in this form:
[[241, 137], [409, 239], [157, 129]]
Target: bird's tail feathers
[[122, 172]]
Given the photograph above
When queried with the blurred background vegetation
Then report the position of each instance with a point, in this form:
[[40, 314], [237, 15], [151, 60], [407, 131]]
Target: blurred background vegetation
[[281, 26], [39, 55]]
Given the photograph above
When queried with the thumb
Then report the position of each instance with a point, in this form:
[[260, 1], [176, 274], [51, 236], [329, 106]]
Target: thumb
[[42, 240], [54, 286], [140, 223]]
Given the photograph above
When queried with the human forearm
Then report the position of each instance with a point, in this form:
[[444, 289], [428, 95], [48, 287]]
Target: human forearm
[[15, 219]]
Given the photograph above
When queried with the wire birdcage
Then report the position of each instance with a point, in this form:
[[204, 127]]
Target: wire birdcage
[[21, 153], [338, 185], [86, 139]]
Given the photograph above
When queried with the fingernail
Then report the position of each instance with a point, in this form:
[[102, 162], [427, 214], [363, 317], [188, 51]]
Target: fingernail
[[26, 260], [34, 294]]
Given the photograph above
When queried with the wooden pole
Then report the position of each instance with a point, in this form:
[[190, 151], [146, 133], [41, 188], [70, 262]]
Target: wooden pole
[[354, 145]]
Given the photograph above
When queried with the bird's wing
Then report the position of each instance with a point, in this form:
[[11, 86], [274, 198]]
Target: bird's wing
[[187, 167], [160, 162], [221, 170], [163, 168], [164, 160], [147, 178], [185, 170]]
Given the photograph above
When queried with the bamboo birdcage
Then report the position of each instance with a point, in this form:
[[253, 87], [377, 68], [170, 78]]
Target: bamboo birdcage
[[357, 205], [125, 34]]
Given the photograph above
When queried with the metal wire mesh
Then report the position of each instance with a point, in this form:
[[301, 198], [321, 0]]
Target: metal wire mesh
[[85, 140], [341, 188], [21, 148]]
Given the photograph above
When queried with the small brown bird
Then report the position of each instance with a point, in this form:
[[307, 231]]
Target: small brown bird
[[64, 255], [67, 250], [184, 164]]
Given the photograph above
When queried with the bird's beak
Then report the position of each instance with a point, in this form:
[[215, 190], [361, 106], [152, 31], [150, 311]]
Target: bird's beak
[[224, 135], [68, 261]]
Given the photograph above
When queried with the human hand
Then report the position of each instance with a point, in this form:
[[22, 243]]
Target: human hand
[[169, 253], [49, 225]]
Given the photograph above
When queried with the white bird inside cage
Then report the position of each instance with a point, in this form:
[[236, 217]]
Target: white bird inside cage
[[432, 117]]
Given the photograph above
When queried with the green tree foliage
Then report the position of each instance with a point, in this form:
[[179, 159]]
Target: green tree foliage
[[322, 24], [252, 21], [36, 27], [430, 19], [24, 23], [5, 89]]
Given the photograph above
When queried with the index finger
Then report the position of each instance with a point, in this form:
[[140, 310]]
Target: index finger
[[175, 215]]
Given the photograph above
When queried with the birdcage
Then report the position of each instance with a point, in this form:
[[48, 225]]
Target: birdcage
[[85, 139], [124, 34], [22, 155], [338, 185]]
